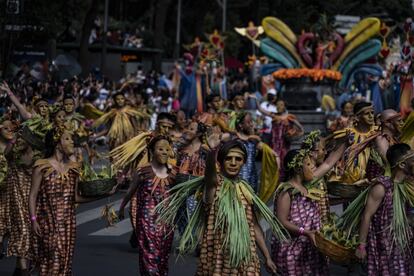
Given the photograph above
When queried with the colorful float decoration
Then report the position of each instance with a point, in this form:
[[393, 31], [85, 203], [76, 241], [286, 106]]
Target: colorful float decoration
[[204, 71], [320, 60], [404, 69]]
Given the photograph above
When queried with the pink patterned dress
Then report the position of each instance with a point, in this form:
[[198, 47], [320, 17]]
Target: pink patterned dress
[[283, 130], [384, 258], [154, 240], [298, 256]]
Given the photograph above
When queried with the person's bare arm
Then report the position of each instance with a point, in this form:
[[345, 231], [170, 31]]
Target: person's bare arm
[[299, 126], [34, 191], [260, 241], [20, 107], [382, 146], [328, 164], [374, 200]]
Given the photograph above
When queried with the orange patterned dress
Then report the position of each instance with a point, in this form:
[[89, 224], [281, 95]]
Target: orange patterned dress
[[56, 217], [19, 182], [214, 260], [4, 216]]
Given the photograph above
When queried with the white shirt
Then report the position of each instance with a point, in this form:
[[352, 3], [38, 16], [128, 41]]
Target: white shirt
[[267, 122]]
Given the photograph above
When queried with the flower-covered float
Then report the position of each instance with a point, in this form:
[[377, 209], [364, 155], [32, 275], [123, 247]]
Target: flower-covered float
[[318, 62]]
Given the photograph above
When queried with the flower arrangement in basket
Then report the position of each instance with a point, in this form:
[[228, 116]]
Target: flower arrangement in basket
[[94, 183], [335, 243]]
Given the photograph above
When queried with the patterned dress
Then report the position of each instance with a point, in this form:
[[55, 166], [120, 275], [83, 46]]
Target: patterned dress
[[56, 218], [19, 182], [4, 209], [282, 130], [383, 258], [299, 256], [249, 171], [154, 240], [194, 165], [214, 260]]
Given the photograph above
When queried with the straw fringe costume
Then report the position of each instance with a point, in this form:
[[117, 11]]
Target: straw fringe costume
[[154, 239], [390, 238], [56, 218], [225, 229], [298, 256], [123, 124], [214, 259], [352, 165], [384, 258], [20, 243]]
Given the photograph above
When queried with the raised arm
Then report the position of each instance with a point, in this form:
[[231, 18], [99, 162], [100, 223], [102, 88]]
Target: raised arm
[[374, 200], [299, 126], [328, 164], [382, 146], [22, 110]]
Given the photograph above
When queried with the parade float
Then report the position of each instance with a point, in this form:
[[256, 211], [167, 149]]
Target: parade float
[[319, 62]]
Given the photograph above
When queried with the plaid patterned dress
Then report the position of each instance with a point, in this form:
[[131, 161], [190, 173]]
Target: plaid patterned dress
[[383, 258], [154, 240], [298, 256], [56, 217]]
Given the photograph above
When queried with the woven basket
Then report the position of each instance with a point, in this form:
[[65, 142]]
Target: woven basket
[[336, 253], [97, 187], [180, 178], [32, 139], [344, 190]]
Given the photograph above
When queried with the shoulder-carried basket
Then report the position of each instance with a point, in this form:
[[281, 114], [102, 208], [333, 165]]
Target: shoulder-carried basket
[[341, 190], [98, 187], [335, 252]]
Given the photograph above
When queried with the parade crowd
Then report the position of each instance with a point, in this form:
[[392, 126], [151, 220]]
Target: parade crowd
[[196, 175]]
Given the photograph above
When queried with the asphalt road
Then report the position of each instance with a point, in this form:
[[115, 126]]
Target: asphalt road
[[106, 251]]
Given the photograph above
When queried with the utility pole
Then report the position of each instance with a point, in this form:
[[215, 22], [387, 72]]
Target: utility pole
[[104, 42], [178, 31], [223, 5]]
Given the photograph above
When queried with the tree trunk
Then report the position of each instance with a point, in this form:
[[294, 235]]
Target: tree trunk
[[84, 41], [159, 28]]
